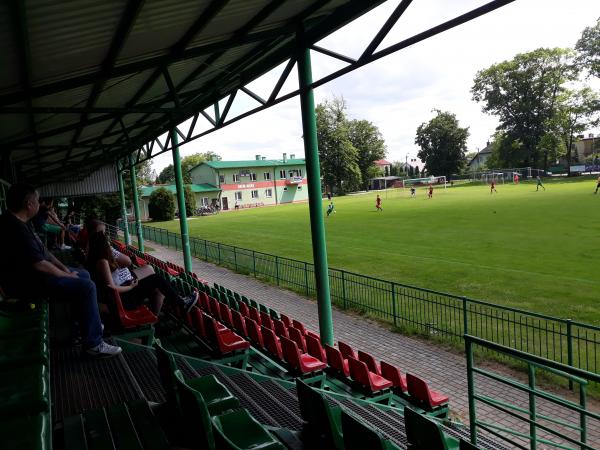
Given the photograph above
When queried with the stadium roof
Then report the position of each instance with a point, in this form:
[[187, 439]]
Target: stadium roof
[[252, 163], [205, 187]]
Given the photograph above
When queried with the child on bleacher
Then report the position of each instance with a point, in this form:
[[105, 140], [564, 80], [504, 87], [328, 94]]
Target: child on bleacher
[[133, 286]]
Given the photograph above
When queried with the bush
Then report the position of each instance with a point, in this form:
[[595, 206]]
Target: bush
[[190, 201], [161, 205]]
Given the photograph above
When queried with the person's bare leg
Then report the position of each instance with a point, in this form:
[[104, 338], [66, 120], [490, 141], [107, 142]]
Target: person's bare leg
[[61, 238], [156, 301]]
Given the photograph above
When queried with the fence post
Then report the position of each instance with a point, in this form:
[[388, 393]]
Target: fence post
[[235, 258], [205, 250], [219, 252], [306, 277], [471, 391], [277, 269], [344, 290], [465, 316], [570, 347], [582, 415], [394, 303], [254, 262], [532, 407]]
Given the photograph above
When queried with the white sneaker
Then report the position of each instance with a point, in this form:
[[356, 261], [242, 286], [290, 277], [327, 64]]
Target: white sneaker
[[65, 247], [104, 350]]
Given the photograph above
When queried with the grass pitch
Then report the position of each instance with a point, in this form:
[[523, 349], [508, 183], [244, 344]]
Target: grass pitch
[[532, 250]]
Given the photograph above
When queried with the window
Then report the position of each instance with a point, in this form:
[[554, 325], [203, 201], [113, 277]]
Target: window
[[236, 178], [254, 194], [267, 175], [299, 187], [221, 178], [253, 176], [238, 195], [282, 174], [268, 193], [300, 172], [204, 201], [285, 188]]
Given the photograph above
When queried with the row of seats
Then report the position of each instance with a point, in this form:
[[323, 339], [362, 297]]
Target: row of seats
[[24, 378], [333, 427]]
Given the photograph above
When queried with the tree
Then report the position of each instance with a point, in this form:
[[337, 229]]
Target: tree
[[190, 201], [167, 175], [506, 152], [588, 48], [370, 146], [574, 113], [523, 93], [338, 156], [443, 144], [161, 205]]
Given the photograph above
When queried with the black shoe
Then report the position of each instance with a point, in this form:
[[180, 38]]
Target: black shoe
[[190, 301]]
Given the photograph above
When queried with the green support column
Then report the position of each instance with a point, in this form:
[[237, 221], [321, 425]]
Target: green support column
[[313, 173], [185, 238], [123, 208], [136, 205]]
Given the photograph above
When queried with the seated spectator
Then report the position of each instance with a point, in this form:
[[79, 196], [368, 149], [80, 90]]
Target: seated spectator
[[134, 286], [44, 222], [29, 271], [73, 227]]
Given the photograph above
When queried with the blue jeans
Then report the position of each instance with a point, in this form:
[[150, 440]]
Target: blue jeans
[[81, 292]]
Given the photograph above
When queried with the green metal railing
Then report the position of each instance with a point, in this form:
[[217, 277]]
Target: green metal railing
[[530, 425], [442, 315]]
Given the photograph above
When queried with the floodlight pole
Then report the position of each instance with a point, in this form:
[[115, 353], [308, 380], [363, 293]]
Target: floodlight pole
[[183, 225], [313, 173], [136, 204], [123, 208]]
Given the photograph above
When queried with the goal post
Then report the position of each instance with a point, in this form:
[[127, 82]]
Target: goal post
[[425, 181]]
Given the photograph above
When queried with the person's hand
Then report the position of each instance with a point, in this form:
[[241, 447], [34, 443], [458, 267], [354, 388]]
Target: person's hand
[[72, 274]]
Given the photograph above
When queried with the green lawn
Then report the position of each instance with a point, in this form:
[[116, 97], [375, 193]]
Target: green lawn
[[527, 249]]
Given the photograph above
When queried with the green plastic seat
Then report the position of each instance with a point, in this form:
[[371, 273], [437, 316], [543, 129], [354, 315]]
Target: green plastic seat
[[324, 424], [238, 430], [23, 350], [425, 434], [263, 308], [148, 429], [26, 433], [358, 436], [237, 296], [24, 390]]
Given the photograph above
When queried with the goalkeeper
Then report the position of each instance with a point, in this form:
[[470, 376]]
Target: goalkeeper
[[330, 209]]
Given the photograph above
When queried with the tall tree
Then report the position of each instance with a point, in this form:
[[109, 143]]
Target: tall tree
[[588, 48], [523, 94], [167, 175], [369, 144], [443, 144], [339, 158]]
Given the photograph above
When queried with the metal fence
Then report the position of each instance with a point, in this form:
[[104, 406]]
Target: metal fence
[[445, 316]]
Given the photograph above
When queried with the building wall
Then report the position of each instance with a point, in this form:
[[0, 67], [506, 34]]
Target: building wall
[[204, 174]]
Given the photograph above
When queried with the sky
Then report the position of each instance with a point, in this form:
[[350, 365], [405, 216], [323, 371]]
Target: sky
[[399, 92]]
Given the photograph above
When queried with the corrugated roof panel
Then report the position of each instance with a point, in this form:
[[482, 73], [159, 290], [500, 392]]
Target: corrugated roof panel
[[72, 97], [9, 56], [59, 139], [70, 36], [51, 121], [102, 181], [118, 91]]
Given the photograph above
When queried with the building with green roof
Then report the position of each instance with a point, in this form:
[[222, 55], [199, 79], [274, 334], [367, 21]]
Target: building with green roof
[[258, 182], [204, 193]]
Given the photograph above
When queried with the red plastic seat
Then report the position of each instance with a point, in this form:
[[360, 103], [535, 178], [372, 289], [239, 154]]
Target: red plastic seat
[[203, 301], [226, 341], [253, 330], [369, 361], [346, 350], [272, 343], [225, 312], [280, 328], [213, 307], [336, 361], [130, 318], [393, 374], [299, 326], [297, 336], [419, 390], [255, 315], [198, 322], [314, 348], [238, 323], [369, 380], [139, 261], [301, 362], [244, 310], [286, 320], [266, 321], [315, 335]]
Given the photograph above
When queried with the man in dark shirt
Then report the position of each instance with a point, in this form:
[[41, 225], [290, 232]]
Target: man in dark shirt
[[29, 270]]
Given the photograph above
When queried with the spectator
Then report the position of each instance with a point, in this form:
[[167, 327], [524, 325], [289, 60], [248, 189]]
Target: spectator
[[46, 222], [29, 271]]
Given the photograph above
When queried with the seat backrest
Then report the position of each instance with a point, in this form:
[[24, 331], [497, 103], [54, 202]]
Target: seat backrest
[[211, 327], [238, 323], [166, 366], [314, 348], [255, 315], [297, 336], [422, 433], [271, 342], [213, 307], [198, 321], [203, 301], [359, 371], [418, 388], [253, 330], [266, 320], [280, 328], [358, 436], [286, 320], [197, 420], [393, 374], [244, 310], [225, 313], [290, 352], [369, 361], [346, 350], [335, 358], [299, 326]]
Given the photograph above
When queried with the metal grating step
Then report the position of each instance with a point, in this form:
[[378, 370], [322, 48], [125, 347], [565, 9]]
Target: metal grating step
[[284, 417], [81, 383], [245, 401], [145, 370], [186, 369], [285, 396]]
